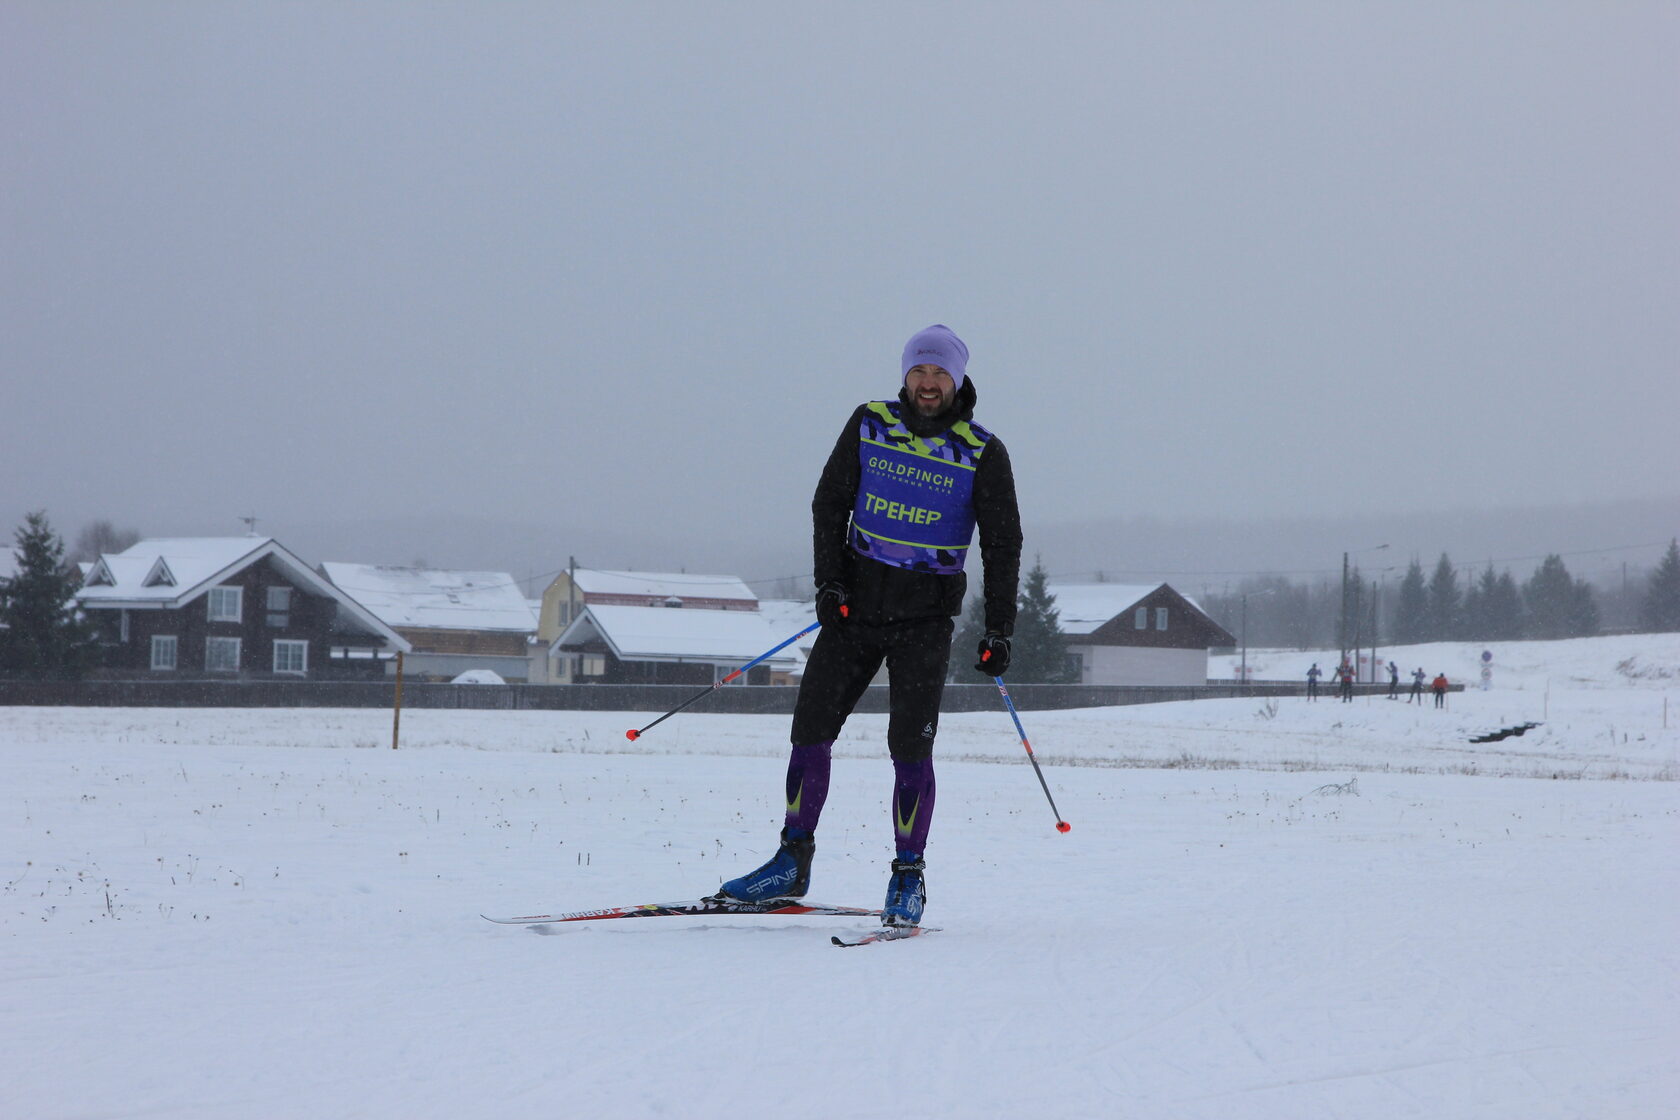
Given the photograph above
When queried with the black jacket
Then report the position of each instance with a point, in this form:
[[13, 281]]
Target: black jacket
[[881, 593]]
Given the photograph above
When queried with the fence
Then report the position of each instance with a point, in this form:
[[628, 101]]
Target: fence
[[734, 700]]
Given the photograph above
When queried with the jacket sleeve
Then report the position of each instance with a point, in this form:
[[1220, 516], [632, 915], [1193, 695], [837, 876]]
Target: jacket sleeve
[[999, 520], [831, 507]]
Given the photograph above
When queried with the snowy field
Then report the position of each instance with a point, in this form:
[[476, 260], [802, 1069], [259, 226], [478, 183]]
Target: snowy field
[[1284, 910]]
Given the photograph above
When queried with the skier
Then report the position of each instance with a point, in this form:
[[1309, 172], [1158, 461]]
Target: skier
[[894, 515], [1418, 677], [1345, 676], [1439, 685], [1312, 681], [1393, 681]]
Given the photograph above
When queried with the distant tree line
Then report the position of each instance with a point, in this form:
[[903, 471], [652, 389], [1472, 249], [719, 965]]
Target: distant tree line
[[1445, 603]]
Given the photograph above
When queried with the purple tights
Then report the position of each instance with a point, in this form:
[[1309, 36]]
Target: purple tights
[[912, 798]]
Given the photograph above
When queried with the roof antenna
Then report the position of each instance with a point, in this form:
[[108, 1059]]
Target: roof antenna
[[250, 525]]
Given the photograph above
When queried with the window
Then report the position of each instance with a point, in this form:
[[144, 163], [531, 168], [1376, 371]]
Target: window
[[1160, 618], [594, 665], [221, 655], [279, 603], [164, 649], [1141, 622], [291, 657], [226, 603]]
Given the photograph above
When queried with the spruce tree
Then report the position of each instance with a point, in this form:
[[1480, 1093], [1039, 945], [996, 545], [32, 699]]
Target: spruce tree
[[1583, 610], [1505, 610], [1445, 604], [1478, 593], [1660, 612], [1550, 601], [41, 635], [1038, 651], [966, 640], [1411, 614]]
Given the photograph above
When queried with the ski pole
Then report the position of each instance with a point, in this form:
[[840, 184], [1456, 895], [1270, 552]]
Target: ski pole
[[1061, 825], [636, 733]]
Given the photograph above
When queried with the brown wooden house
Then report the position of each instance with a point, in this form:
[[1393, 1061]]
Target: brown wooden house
[[226, 607]]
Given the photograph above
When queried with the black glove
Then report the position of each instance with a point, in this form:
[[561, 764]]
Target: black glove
[[994, 655], [831, 604]]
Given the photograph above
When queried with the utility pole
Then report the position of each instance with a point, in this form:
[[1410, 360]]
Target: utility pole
[[1342, 635], [1341, 628]]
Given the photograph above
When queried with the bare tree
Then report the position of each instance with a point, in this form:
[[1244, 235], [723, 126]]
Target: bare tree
[[101, 537]]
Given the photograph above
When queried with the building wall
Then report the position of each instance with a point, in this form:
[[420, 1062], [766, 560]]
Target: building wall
[[1140, 665]]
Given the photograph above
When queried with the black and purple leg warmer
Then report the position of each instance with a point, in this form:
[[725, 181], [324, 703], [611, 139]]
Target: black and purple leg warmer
[[807, 784], [912, 806]]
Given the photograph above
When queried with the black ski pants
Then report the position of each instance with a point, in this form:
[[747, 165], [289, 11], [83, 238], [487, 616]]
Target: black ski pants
[[846, 658]]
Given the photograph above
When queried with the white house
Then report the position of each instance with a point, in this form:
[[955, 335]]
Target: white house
[[669, 645], [578, 588], [1137, 634]]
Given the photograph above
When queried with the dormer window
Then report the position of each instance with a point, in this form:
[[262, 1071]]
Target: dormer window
[[160, 575], [100, 576]]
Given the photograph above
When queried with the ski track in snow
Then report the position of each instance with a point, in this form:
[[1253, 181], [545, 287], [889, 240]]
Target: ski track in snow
[[1326, 910]]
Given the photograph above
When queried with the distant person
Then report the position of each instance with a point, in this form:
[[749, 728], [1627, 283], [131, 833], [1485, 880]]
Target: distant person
[[1393, 681], [1439, 685], [1345, 675], [1418, 677], [1312, 681]]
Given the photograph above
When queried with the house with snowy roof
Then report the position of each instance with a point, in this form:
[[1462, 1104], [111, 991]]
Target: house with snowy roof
[[673, 644], [576, 589], [454, 621], [241, 607], [1136, 634]]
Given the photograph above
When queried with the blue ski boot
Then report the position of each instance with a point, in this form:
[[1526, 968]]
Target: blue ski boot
[[906, 893], [787, 875]]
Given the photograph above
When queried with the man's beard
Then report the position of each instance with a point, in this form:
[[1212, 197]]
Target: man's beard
[[937, 408]]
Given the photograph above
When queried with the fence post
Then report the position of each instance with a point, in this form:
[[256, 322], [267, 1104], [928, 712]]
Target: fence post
[[396, 708]]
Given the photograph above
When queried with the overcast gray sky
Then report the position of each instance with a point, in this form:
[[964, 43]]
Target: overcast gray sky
[[629, 266]]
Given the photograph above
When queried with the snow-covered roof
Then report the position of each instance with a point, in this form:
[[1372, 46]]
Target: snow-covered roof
[[1082, 608], [662, 585], [677, 633], [436, 598], [169, 572], [162, 570]]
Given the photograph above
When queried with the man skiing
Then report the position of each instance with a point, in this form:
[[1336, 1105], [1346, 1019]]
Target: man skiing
[[1344, 677], [894, 515], [1418, 677], [1312, 681], [1393, 681]]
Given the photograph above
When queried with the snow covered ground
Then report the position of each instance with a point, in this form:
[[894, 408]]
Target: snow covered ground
[[1285, 910]]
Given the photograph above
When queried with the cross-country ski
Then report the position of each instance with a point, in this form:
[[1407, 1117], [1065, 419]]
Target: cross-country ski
[[885, 933], [699, 907]]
